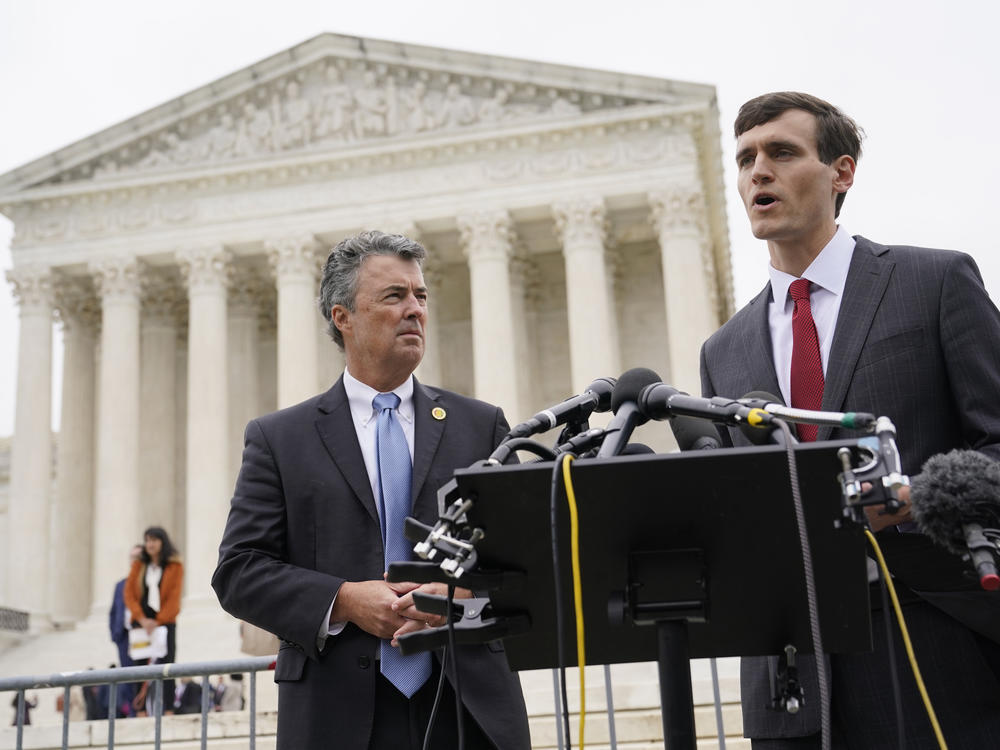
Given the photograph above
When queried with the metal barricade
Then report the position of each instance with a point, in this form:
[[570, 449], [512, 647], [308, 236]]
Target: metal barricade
[[156, 673]]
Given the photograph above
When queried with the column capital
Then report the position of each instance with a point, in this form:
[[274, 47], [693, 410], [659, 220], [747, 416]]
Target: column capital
[[163, 298], [117, 277], [205, 268], [32, 285], [294, 255], [77, 303], [246, 291], [678, 209], [581, 219], [487, 235]]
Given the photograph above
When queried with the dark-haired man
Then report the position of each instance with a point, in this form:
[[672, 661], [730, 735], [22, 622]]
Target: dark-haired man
[[848, 324], [318, 513]]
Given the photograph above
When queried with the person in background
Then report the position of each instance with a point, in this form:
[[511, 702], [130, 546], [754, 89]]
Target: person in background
[[153, 594], [119, 621]]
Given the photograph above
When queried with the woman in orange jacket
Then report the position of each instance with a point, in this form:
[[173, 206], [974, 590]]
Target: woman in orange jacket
[[153, 596]]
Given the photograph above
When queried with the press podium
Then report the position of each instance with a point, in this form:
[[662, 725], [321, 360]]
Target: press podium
[[693, 554]]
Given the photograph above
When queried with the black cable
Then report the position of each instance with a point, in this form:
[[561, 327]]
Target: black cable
[[437, 700], [457, 684], [557, 585], [505, 450], [810, 581], [894, 674]]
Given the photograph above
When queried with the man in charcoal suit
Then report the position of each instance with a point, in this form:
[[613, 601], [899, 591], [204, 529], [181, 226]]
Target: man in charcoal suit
[[847, 324], [316, 517]]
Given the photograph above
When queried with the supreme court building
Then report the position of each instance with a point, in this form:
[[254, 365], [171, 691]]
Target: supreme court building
[[575, 226]]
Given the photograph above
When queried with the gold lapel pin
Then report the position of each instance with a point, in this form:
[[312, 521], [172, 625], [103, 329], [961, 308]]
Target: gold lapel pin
[[438, 413]]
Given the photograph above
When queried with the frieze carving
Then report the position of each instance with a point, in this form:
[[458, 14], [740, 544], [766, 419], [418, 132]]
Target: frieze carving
[[117, 278], [32, 286], [335, 103]]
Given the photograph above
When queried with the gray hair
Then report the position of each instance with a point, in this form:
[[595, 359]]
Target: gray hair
[[340, 272]]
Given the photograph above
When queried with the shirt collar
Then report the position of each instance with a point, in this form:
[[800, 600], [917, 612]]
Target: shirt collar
[[827, 271], [360, 396]]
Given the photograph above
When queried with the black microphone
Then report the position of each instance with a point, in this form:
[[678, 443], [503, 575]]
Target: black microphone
[[770, 434], [596, 398], [953, 498], [695, 434], [662, 401], [624, 403]]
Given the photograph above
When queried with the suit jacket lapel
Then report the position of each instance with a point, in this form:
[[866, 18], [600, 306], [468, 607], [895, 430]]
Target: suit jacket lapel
[[757, 357], [427, 432], [867, 279], [336, 429]]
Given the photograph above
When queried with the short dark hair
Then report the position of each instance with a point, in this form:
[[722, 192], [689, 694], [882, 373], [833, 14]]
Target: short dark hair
[[836, 133], [339, 285]]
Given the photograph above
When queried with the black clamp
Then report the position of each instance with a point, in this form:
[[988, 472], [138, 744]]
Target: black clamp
[[788, 694], [472, 620]]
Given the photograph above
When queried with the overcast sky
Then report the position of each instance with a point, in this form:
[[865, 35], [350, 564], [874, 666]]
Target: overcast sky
[[921, 78]]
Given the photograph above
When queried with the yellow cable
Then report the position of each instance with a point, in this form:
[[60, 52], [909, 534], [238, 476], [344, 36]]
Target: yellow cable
[[906, 640], [574, 529]]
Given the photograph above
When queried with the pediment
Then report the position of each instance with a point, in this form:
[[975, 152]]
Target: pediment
[[337, 92]]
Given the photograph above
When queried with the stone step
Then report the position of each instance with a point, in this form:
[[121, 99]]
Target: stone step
[[634, 730]]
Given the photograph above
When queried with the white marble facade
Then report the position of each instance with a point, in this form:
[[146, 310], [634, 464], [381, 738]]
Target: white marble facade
[[573, 218]]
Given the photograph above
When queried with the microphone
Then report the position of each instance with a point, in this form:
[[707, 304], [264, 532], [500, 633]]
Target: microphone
[[695, 434], [662, 401], [770, 434], [624, 403], [851, 420], [596, 398], [953, 498]]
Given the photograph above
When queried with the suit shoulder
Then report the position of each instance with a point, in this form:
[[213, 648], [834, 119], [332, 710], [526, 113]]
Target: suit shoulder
[[459, 401], [735, 328], [290, 414], [929, 257]]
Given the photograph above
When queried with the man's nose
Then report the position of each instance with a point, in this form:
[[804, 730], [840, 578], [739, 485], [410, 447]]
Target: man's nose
[[761, 171]]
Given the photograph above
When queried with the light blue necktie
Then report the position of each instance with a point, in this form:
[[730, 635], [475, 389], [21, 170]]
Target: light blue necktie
[[392, 453]]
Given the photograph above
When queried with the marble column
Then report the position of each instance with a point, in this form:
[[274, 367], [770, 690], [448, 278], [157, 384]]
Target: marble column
[[294, 263], [71, 541], [590, 302], [31, 448], [244, 352], [117, 525], [488, 242], [206, 273], [158, 408], [267, 359], [429, 370], [679, 218]]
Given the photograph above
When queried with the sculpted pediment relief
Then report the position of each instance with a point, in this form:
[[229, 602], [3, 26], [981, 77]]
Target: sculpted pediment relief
[[338, 103]]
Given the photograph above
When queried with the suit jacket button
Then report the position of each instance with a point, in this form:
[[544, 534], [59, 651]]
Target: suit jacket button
[[364, 662]]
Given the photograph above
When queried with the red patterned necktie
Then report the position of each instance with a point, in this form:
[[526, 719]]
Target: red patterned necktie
[[807, 367]]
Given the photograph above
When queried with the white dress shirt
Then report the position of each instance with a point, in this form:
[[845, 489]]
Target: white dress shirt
[[359, 398], [828, 274]]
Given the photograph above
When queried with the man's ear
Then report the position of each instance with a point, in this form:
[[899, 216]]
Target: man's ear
[[341, 317], [843, 167]]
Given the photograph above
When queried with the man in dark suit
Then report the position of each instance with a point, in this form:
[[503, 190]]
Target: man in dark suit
[[314, 521], [847, 324]]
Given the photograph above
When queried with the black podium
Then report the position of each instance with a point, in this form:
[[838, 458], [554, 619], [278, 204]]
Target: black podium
[[704, 538]]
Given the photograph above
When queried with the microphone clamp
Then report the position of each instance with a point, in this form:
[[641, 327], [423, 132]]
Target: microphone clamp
[[881, 469]]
